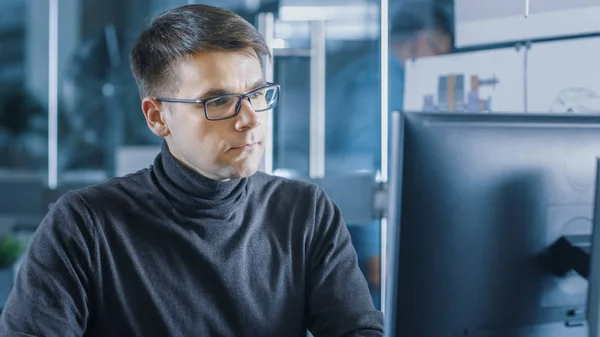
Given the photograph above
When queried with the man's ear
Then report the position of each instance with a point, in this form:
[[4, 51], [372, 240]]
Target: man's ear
[[153, 111]]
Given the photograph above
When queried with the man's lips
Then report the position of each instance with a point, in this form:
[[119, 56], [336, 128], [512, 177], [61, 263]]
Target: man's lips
[[247, 146]]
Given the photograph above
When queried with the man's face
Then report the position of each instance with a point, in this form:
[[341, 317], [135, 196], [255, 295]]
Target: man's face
[[425, 43], [221, 149], [432, 42]]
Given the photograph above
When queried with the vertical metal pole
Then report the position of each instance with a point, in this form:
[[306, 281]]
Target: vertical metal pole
[[525, 47], [317, 99], [266, 27], [53, 94], [525, 78], [526, 8], [384, 89], [384, 141]]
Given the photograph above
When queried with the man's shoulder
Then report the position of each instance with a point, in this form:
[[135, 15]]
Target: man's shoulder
[[113, 191]]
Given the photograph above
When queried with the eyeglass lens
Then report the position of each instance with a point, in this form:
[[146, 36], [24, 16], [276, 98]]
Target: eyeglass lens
[[227, 105]]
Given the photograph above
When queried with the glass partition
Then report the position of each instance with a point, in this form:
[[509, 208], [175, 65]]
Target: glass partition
[[327, 128], [102, 128], [24, 98]]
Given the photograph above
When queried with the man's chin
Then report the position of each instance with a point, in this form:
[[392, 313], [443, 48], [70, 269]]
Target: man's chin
[[241, 173], [245, 168], [242, 166], [246, 174]]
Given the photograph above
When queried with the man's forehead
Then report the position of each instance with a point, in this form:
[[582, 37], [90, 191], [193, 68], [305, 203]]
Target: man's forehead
[[220, 63], [231, 70]]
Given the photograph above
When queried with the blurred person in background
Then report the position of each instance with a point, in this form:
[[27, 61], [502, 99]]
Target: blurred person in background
[[417, 29]]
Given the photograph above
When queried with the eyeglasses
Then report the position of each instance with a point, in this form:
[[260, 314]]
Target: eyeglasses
[[228, 106]]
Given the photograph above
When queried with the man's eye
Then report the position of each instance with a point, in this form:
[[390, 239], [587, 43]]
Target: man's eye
[[257, 94], [219, 102]]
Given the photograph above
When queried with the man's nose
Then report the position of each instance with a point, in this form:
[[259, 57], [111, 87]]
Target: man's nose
[[247, 117]]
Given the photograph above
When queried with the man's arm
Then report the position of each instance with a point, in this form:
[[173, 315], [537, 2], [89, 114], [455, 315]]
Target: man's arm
[[339, 299], [51, 294]]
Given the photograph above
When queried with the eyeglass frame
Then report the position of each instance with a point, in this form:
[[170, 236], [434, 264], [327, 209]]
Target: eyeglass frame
[[238, 105]]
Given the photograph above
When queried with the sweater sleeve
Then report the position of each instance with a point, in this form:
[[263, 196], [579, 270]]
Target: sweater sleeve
[[338, 296], [51, 293]]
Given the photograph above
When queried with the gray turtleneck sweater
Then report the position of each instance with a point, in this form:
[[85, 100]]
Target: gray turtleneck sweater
[[167, 252]]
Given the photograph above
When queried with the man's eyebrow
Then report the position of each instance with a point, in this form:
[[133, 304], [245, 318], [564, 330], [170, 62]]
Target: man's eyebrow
[[258, 84], [220, 91], [212, 93]]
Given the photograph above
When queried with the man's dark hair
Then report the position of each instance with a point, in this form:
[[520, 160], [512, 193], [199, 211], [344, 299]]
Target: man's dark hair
[[417, 16], [183, 32]]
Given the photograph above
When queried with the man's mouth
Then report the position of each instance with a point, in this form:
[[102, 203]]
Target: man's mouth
[[246, 147]]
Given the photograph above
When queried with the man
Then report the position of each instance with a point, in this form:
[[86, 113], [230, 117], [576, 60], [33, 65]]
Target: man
[[418, 29], [199, 244]]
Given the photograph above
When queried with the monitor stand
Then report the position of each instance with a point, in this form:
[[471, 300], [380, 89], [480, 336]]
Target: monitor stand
[[571, 252], [576, 252]]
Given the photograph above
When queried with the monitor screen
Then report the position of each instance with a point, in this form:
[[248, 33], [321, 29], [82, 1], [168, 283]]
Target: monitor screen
[[476, 200]]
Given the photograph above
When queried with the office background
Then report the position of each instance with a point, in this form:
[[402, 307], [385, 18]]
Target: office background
[[70, 112]]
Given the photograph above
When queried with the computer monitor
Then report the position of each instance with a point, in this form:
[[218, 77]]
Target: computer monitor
[[476, 201], [593, 313]]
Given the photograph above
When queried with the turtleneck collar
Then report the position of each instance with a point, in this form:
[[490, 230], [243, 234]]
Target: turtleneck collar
[[190, 191]]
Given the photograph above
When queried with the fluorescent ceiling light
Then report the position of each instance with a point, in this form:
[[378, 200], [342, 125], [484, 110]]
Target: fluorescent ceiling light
[[333, 31], [328, 13]]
